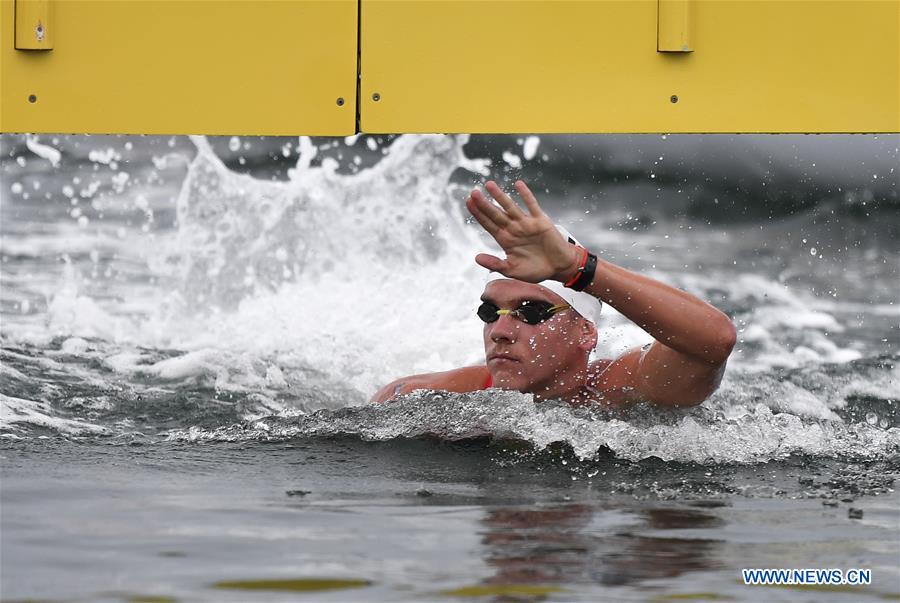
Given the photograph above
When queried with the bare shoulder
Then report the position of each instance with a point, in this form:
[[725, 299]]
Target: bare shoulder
[[598, 366], [465, 379], [657, 374], [615, 371], [615, 377]]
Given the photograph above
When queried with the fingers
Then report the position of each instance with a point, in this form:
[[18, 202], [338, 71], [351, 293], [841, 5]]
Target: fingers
[[530, 201], [505, 201], [493, 213], [492, 263], [482, 219], [494, 218]]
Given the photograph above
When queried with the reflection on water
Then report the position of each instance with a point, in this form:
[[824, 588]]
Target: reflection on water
[[539, 545], [583, 543], [653, 557]]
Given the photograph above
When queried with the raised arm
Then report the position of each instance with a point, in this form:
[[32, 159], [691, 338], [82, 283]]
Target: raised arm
[[693, 339]]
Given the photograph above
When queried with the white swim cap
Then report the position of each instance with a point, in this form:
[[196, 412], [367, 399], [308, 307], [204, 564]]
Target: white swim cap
[[585, 304]]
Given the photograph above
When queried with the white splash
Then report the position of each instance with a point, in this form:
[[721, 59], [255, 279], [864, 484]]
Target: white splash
[[42, 150], [512, 160], [530, 147]]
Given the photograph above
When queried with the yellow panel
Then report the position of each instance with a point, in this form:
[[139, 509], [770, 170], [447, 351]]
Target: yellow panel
[[185, 66], [593, 66], [674, 26], [33, 29]]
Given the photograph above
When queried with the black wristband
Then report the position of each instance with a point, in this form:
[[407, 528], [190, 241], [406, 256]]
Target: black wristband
[[587, 274]]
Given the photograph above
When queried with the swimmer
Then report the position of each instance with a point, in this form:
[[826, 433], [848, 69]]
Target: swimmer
[[540, 311]]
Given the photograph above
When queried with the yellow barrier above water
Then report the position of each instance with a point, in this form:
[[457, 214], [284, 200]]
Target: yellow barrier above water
[[335, 67]]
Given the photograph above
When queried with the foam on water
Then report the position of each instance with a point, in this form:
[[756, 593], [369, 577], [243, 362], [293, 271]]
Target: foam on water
[[708, 435], [17, 413]]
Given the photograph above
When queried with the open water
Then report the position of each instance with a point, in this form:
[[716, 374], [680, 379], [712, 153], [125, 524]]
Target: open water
[[191, 328]]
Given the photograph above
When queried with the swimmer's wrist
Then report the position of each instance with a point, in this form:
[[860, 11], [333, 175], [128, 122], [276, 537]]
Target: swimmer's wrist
[[585, 272], [576, 254]]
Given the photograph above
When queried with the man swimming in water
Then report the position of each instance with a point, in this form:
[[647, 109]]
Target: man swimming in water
[[540, 315]]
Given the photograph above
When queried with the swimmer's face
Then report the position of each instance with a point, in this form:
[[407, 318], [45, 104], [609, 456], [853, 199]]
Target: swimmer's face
[[533, 358]]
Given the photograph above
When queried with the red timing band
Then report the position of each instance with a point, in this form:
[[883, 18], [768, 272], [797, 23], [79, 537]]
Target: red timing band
[[581, 265]]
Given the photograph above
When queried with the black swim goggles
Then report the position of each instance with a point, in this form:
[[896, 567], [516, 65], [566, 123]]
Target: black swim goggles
[[531, 311]]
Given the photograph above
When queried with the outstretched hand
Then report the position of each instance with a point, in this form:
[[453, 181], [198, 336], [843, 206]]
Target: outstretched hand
[[535, 250]]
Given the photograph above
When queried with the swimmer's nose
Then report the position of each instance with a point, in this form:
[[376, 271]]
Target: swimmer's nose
[[505, 328]]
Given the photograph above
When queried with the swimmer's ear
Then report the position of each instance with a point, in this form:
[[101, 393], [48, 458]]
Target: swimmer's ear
[[588, 340]]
